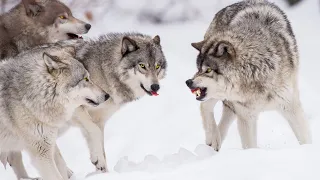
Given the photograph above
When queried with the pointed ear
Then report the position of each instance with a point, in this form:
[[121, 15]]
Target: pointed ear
[[128, 46], [157, 40], [33, 8], [53, 63], [224, 48], [198, 45]]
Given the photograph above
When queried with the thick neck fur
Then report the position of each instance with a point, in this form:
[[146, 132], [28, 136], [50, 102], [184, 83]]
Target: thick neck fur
[[35, 90]]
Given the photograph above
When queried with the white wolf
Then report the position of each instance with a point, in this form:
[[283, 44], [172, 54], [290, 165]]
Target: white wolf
[[39, 91]]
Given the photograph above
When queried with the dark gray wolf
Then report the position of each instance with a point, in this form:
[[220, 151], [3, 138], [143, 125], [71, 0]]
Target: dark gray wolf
[[36, 22], [249, 60]]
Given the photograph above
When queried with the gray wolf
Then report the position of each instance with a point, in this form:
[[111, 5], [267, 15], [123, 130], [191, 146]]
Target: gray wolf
[[38, 95], [249, 60], [125, 65], [37, 22]]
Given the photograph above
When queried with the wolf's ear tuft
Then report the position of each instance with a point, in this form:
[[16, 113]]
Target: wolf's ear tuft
[[157, 40], [198, 46], [70, 50], [224, 48], [33, 8], [128, 46], [53, 63]]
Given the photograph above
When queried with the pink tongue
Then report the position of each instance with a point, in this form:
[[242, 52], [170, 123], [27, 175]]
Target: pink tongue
[[154, 93]]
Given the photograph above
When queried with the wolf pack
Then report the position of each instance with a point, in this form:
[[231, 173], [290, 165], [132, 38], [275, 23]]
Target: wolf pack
[[52, 79]]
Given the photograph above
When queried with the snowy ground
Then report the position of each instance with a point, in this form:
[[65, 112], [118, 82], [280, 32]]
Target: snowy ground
[[161, 137]]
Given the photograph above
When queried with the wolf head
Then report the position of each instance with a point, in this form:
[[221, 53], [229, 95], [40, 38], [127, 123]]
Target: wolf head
[[57, 17], [215, 64], [72, 79], [142, 64]]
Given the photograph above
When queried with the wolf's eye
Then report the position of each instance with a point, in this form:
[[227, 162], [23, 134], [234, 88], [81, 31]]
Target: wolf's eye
[[62, 17], [142, 66], [208, 70], [86, 79], [158, 66]]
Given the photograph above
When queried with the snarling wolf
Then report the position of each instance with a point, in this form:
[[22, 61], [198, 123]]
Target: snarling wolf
[[249, 60], [40, 90], [37, 22]]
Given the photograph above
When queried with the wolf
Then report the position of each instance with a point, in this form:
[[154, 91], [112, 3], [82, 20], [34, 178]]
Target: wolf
[[249, 60], [36, 22], [127, 66], [40, 89]]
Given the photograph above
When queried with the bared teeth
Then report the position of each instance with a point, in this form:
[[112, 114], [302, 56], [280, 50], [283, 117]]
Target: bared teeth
[[197, 92]]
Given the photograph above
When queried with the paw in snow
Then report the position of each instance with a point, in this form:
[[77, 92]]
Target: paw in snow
[[70, 173], [204, 151], [100, 163], [213, 139]]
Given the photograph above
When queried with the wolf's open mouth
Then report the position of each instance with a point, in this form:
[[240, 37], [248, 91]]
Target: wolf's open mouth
[[199, 92], [91, 102], [151, 93], [74, 36]]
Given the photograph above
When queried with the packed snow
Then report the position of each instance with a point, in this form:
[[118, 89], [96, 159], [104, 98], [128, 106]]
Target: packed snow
[[162, 137]]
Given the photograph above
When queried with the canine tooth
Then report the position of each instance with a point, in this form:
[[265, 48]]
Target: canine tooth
[[198, 92]]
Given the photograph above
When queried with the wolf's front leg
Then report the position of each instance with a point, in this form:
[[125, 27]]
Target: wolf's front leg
[[15, 161], [61, 164], [247, 127], [43, 158], [227, 118], [94, 139], [209, 124], [41, 146]]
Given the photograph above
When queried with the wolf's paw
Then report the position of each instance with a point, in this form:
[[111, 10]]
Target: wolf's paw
[[70, 173], [208, 138], [214, 140], [100, 164]]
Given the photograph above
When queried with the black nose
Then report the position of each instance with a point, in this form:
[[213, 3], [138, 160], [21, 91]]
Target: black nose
[[189, 83], [155, 87], [87, 26], [106, 97]]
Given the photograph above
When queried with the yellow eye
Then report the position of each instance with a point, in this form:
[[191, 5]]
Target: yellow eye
[[62, 17], [86, 79], [208, 70], [158, 66], [142, 66]]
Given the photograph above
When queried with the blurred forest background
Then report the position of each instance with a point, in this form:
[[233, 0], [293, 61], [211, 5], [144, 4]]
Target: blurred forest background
[[145, 11]]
